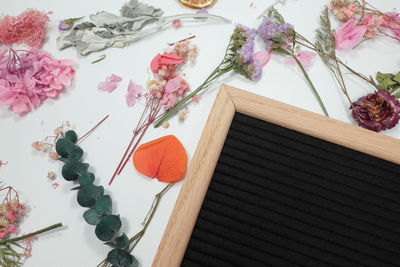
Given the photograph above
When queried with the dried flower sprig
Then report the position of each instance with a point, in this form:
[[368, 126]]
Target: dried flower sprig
[[100, 205], [377, 111], [10, 212], [370, 20], [281, 37], [164, 91], [239, 57]]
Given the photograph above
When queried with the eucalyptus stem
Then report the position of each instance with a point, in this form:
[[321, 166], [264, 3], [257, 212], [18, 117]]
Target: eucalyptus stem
[[147, 220], [312, 87], [16, 239]]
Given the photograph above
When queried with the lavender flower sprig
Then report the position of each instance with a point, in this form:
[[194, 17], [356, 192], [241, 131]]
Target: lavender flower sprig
[[238, 57], [280, 36]]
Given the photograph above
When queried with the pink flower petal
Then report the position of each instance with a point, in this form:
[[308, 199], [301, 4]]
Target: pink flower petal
[[155, 63], [173, 85], [133, 94], [114, 78], [21, 105], [262, 57], [107, 86], [171, 58], [349, 35], [305, 58]]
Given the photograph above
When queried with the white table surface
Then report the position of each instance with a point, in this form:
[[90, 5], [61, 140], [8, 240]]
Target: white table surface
[[84, 105]]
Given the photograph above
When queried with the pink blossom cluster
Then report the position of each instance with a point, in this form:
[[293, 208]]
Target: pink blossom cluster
[[28, 27], [344, 9], [29, 77], [168, 85], [361, 24], [10, 211]]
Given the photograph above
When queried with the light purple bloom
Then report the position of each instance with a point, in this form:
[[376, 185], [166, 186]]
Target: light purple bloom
[[269, 30], [246, 52], [62, 26]]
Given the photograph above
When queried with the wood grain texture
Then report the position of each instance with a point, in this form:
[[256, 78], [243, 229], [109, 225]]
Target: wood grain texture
[[184, 215], [230, 100]]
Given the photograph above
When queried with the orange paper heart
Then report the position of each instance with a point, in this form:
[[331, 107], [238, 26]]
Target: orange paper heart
[[164, 158]]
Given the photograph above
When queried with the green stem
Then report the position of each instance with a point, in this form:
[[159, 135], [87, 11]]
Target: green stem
[[313, 89], [16, 239]]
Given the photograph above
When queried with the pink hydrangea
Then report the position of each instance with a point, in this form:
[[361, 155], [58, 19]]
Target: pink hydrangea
[[29, 28], [27, 78]]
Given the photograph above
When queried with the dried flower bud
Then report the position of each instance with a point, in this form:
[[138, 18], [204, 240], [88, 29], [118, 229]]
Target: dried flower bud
[[196, 98], [58, 130], [36, 145], [43, 147], [165, 124], [182, 115], [67, 123], [51, 175], [4, 222], [53, 155]]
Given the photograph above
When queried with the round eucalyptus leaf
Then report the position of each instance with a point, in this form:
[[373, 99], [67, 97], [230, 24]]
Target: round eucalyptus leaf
[[73, 169], [121, 242], [75, 153], [88, 195], [92, 217], [71, 135], [86, 178], [107, 227], [104, 205], [63, 146], [120, 258]]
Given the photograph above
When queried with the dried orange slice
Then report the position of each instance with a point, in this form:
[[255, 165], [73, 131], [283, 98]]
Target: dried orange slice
[[197, 3]]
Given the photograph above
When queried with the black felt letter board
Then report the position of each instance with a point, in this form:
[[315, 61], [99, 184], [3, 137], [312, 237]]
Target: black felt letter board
[[282, 198]]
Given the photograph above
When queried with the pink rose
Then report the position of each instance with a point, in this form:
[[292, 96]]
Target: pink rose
[[349, 35]]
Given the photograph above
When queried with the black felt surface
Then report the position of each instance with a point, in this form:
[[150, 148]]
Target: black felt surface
[[282, 198]]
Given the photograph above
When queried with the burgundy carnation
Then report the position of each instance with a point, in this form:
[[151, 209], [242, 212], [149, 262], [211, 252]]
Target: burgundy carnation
[[377, 112]]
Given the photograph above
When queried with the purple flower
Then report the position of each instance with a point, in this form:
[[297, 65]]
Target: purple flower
[[269, 31], [62, 26], [257, 71], [377, 112], [246, 52]]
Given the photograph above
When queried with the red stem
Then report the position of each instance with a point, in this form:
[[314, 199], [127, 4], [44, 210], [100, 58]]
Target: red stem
[[91, 130]]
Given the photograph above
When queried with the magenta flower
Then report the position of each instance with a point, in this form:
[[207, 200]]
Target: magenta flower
[[349, 35], [377, 112]]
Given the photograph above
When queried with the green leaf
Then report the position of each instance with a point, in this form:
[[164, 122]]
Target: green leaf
[[121, 258], [92, 217], [283, 51], [383, 76], [86, 178], [63, 147], [88, 195], [71, 135], [107, 227], [73, 169], [397, 78], [104, 205], [386, 84], [121, 242], [75, 153]]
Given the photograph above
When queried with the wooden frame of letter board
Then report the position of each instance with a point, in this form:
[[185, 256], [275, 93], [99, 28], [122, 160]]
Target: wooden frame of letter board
[[230, 100]]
